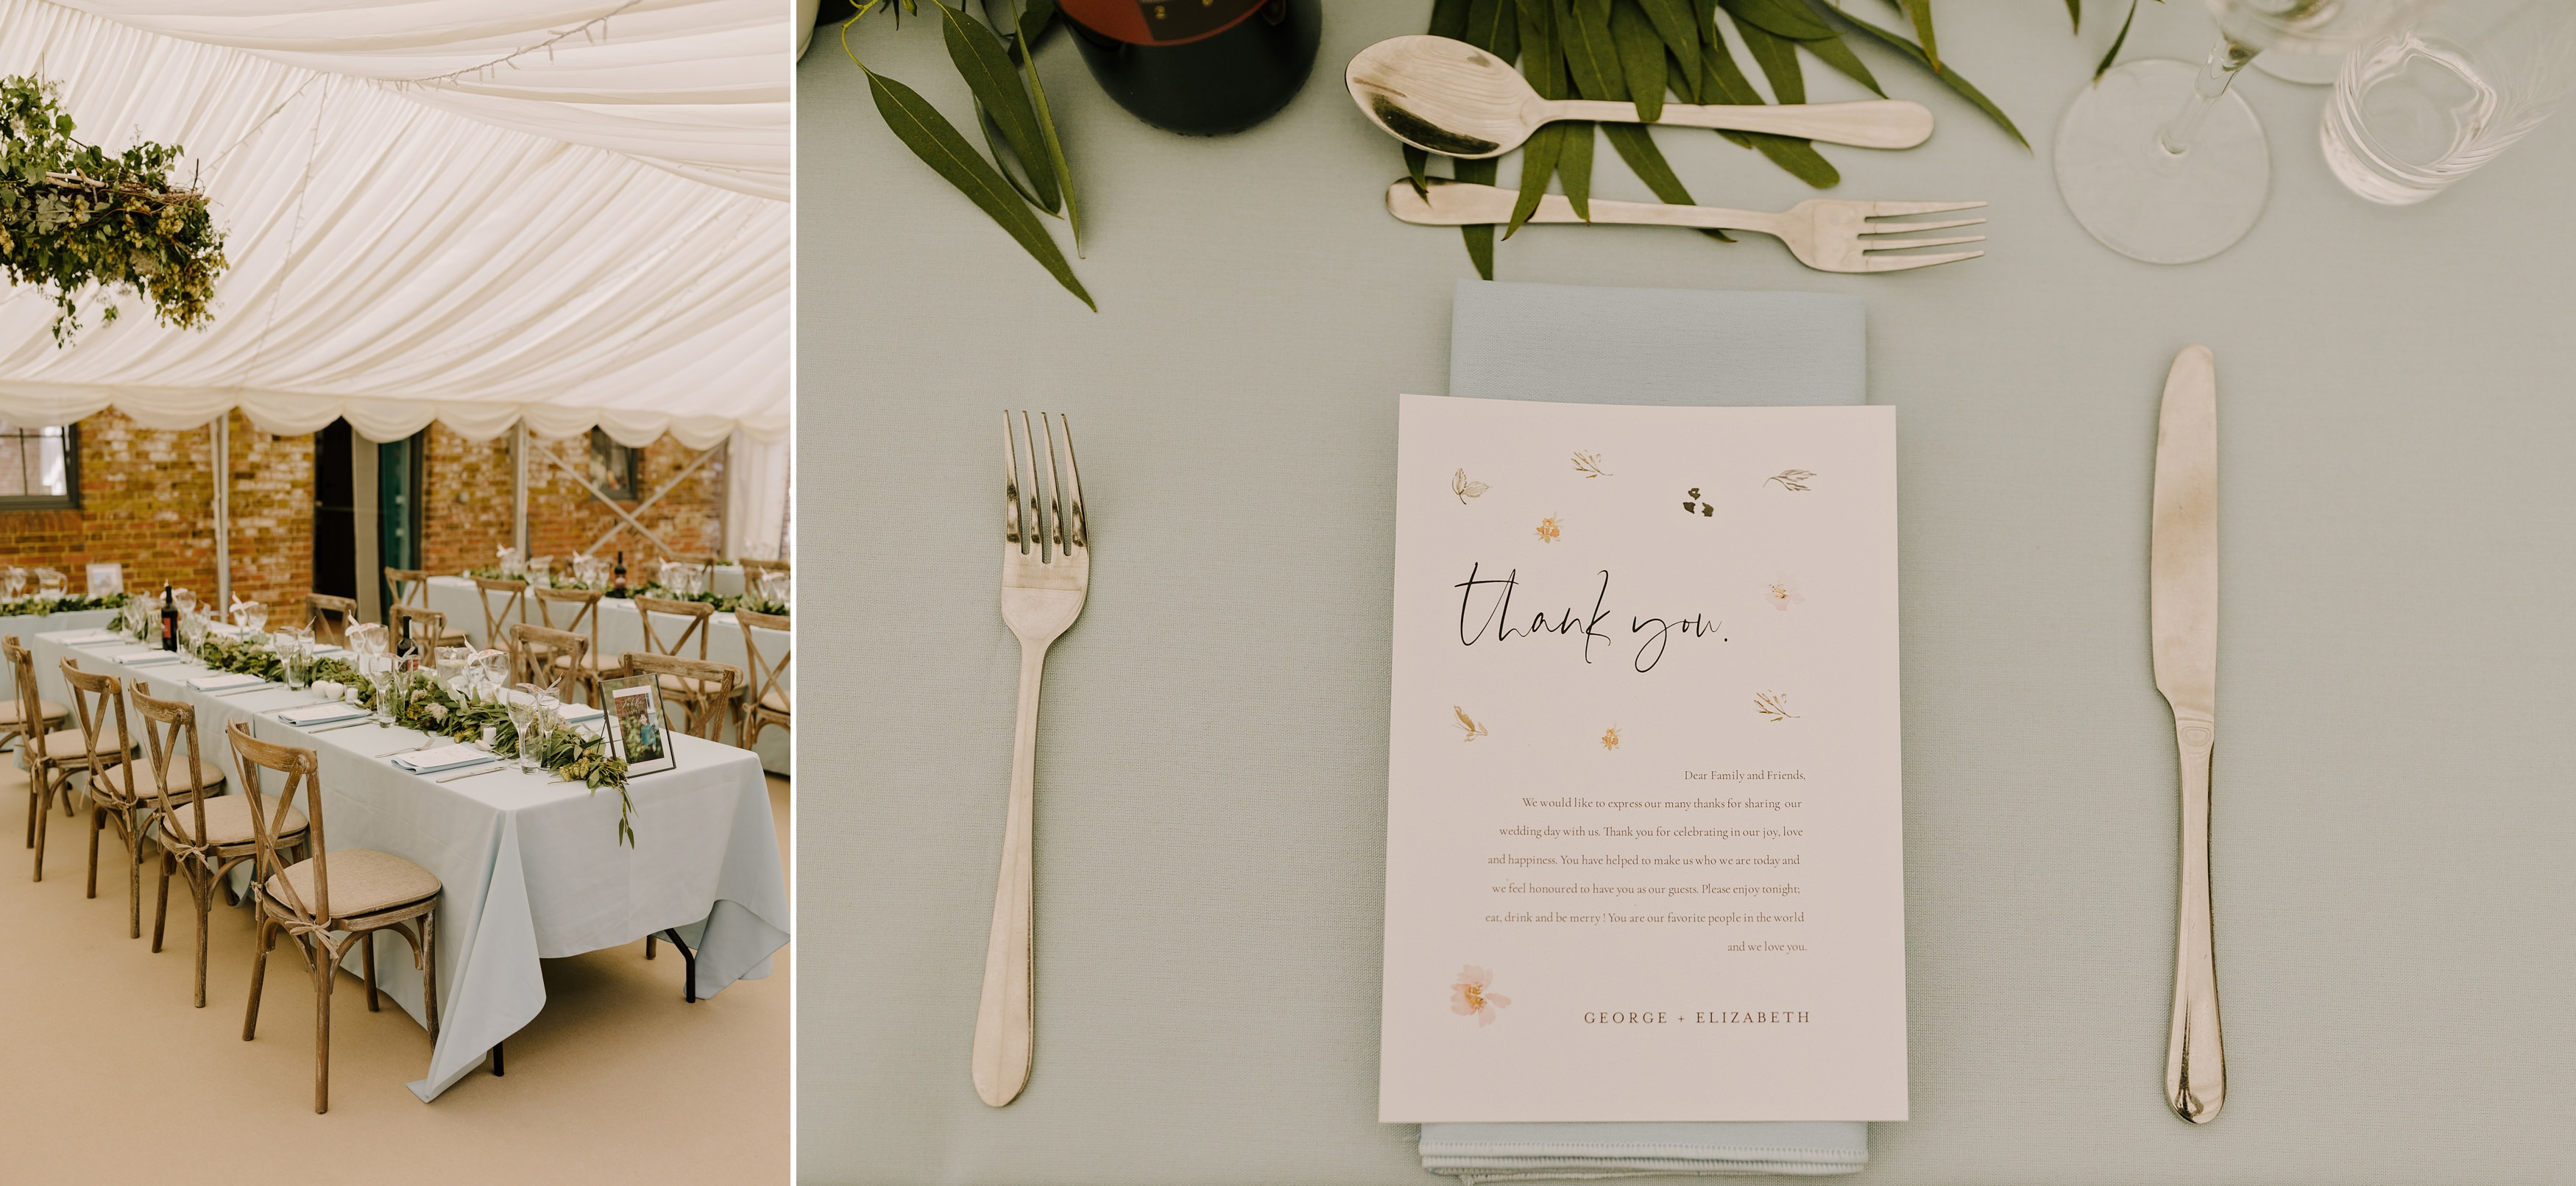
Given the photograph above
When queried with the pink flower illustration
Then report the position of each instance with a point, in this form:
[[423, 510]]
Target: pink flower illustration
[[1468, 997]]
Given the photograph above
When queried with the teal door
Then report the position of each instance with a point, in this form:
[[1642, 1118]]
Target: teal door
[[400, 467]]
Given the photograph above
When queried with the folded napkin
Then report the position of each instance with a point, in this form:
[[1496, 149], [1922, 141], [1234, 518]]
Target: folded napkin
[[1567, 344], [146, 657], [218, 683], [88, 637], [574, 714], [323, 648], [445, 757], [321, 714]]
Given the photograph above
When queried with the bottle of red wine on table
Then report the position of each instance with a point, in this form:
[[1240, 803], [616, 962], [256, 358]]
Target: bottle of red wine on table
[[169, 619], [1199, 67], [620, 576]]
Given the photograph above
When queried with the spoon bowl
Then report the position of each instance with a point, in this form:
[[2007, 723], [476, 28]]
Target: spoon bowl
[[1445, 96]]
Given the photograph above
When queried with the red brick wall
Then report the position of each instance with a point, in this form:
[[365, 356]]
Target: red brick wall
[[147, 501]]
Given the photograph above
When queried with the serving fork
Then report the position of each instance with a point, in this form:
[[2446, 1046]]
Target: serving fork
[[1046, 573], [1827, 234]]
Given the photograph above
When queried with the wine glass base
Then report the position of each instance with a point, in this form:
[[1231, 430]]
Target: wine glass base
[[2147, 203]]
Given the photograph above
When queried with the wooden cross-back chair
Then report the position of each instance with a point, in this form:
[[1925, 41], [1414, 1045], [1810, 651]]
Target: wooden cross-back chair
[[426, 627], [546, 658], [114, 796], [514, 605], [51, 758], [583, 607], [411, 588], [202, 837], [689, 690], [331, 617], [752, 568], [328, 901], [13, 715], [707, 716], [767, 699]]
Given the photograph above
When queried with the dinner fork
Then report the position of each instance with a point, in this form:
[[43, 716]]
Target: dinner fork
[[1824, 233], [1046, 573]]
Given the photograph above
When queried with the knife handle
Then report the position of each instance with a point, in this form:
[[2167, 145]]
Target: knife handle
[[2195, 1063]]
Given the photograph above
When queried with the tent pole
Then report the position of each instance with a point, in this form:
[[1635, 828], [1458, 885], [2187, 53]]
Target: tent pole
[[223, 454], [519, 486]]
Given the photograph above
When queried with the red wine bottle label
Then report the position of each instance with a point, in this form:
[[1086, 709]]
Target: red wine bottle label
[[1158, 22]]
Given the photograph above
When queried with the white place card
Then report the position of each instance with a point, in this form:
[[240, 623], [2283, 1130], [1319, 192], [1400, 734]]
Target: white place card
[[1644, 830]]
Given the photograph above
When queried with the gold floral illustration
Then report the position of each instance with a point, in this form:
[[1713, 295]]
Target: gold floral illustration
[[1694, 503], [1791, 479], [1549, 530], [1610, 739], [1589, 465], [1468, 723], [1464, 489], [1469, 998], [1774, 705], [1783, 592]]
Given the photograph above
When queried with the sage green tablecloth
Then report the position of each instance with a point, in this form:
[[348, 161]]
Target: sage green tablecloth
[[2394, 899]]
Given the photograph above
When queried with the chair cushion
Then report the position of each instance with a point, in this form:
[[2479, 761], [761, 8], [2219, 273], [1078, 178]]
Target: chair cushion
[[210, 775], [9, 711], [228, 822], [775, 701], [64, 745], [591, 662], [693, 688], [363, 881]]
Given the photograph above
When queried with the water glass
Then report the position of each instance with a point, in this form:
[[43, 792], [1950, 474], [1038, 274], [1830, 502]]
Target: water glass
[[386, 675], [2421, 108], [452, 661], [511, 564], [13, 582], [50, 585], [295, 659], [192, 631]]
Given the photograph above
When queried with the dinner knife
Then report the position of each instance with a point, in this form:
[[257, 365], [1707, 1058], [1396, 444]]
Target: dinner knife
[[2183, 619]]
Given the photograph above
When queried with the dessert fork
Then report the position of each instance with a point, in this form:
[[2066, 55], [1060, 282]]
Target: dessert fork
[[1046, 573], [1824, 233]]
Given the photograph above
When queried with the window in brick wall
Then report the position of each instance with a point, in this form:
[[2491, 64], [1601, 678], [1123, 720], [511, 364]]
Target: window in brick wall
[[39, 468], [613, 467]]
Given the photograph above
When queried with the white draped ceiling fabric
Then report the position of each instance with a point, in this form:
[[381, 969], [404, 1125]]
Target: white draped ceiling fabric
[[470, 211]]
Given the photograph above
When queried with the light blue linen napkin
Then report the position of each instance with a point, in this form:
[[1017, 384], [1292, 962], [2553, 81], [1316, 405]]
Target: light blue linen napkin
[[1651, 346]]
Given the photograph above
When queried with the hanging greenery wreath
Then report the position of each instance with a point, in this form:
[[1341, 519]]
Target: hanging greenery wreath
[[73, 215]]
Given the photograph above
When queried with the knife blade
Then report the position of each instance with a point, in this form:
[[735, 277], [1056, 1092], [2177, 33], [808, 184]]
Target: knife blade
[[2183, 622]]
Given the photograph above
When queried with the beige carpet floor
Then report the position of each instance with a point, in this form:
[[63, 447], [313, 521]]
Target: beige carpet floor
[[107, 1075]]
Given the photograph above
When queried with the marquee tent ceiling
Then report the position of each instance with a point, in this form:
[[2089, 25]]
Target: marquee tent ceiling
[[588, 233]]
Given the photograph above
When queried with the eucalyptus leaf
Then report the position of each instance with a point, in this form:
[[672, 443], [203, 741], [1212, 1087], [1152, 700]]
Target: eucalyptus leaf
[[932, 138], [985, 64], [1957, 83], [1542, 58], [1783, 18], [2113, 54], [1012, 168], [1839, 56], [1920, 12], [1494, 26], [1590, 57], [1417, 165], [1538, 163], [1672, 21], [1479, 236], [1641, 58], [1724, 82], [2075, 15], [1449, 18], [1054, 149], [1778, 58], [1574, 165], [1636, 145]]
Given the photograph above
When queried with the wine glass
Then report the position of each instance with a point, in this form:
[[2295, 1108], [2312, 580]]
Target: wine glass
[[526, 718], [541, 570], [185, 600], [385, 672], [511, 564], [13, 582], [2162, 162], [50, 585], [192, 631], [294, 650]]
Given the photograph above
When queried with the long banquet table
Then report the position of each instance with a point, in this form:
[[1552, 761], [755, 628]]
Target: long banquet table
[[621, 629], [531, 866]]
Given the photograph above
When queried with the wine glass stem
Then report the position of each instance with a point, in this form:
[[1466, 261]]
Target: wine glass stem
[[2225, 59]]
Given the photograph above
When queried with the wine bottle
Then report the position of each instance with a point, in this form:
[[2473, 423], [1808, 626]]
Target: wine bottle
[[1198, 67], [619, 577], [169, 619]]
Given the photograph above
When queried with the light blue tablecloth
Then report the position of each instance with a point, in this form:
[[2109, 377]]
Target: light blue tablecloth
[[1651, 346]]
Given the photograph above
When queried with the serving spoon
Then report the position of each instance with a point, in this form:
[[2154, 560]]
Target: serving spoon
[[1446, 96]]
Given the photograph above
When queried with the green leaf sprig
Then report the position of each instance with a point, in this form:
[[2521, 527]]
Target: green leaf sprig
[[72, 604], [73, 215], [1028, 173], [1637, 51]]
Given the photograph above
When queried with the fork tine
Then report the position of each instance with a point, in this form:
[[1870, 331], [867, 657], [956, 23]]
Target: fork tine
[[1897, 244], [1036, 488], [1055, 490], [1012, 528], [1899, 263], [1881, 209], [1081, 525], [1892, 228]]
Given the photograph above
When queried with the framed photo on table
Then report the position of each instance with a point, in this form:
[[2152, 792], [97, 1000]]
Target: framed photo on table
[[637, 730]]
